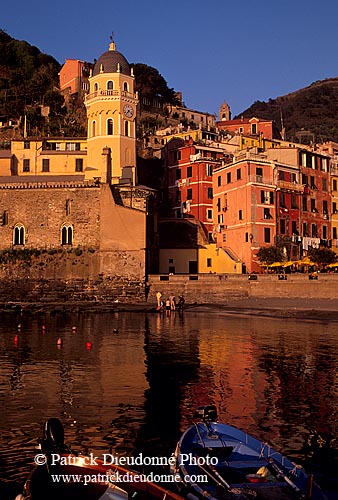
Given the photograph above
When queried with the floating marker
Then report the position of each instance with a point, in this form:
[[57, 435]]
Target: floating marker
[[43, 328], [74, 328], [115, 330], [89, 345], [59, 342], [16, 340]]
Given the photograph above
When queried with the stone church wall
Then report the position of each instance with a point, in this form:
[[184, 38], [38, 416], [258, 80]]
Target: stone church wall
[[43, 210], [108, 239]]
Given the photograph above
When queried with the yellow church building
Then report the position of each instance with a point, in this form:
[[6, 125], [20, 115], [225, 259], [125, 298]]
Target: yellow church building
[[108, 154], [58, 195]]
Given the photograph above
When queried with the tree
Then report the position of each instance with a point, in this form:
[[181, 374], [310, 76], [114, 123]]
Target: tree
[[268, 255], [322, 256], [150, 83], [28, 79]]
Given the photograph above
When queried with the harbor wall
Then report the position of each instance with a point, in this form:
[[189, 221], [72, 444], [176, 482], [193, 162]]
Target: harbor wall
[[80, 281], [217, 289]]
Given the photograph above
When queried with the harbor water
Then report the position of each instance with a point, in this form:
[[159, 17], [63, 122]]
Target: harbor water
[[129, 383]]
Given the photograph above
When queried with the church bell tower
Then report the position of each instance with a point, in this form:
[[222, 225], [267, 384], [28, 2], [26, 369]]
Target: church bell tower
[[111, 113]]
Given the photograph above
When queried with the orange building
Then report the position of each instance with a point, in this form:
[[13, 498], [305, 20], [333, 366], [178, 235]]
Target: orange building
[[73, 77], [244, 207], [280, 198]]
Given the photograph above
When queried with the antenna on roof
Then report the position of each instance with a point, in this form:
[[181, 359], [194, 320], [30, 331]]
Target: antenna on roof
[[112, 43], [282, 123]]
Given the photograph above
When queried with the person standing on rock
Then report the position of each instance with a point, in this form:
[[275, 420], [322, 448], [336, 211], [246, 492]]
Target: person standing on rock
[[146, 290], [181, 301], [172, 302], [158, 298]]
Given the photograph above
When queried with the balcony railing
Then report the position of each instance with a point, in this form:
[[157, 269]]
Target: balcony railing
[[110, 93], [251, 155], [267, 181], [291, 186]]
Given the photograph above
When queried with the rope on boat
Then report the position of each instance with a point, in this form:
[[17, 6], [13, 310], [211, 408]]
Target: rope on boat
[[199, 435], [285, 477], [215, 477]]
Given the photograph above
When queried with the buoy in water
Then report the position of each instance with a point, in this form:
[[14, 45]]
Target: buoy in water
[[19, 326], [59, 342], [74, 328], [115, 330], [89, 345], [16, 340], [43, 328]]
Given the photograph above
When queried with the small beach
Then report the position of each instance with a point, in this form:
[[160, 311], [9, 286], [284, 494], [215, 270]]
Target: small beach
[[320, 309]]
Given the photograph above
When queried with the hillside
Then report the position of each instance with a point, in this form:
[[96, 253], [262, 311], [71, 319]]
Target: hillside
[[29, 86], [313, 108], [28, 81]]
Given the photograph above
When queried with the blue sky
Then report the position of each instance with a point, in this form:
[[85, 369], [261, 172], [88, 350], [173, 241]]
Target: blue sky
[[212, 51]]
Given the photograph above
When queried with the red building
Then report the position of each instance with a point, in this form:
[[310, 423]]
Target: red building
[[250, 126], [303, 210], [189, 169]]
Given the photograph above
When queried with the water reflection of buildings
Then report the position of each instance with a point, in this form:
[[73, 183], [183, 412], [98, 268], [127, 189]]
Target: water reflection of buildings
[[98, 393], [274, 382], [172, 363], [140, 385], [227, 377]]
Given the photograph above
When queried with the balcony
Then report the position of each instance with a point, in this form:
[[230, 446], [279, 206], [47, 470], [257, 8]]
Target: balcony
[[109, 94], [182, 182], [259, 179], [290, 186]]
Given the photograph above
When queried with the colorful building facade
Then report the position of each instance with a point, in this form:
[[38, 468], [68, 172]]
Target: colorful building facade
[[111, 111], [244, 208], [249, 126], [59, 195], [280, 197], [48, 156], [73, 77], [189, 167]]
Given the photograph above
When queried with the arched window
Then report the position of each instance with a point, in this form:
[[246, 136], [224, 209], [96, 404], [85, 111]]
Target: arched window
[[19, 235], [110, 85], [66, 235], [96, 87], [110, 126], [94, 128], [126, 128], [125, 87]]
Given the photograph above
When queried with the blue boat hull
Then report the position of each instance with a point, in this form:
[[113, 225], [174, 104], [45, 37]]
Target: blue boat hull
[[218, 461]]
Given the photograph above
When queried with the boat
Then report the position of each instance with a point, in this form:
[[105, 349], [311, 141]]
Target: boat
[[62, 475], [220, 462]]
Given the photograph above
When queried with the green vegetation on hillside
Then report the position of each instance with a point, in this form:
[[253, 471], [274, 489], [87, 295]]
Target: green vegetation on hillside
[[150, 83], [313, 109], [28, 81], [29, 87]]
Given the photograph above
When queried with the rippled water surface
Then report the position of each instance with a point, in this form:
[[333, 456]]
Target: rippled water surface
[[137, 388]]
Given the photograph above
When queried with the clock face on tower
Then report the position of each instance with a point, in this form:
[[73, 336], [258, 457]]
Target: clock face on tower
[[128, 110]]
